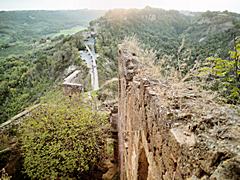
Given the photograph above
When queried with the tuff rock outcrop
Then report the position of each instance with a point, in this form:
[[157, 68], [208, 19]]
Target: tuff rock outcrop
[[173, 131]]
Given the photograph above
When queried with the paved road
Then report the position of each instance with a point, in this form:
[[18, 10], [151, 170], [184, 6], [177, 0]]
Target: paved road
[[90, 57]]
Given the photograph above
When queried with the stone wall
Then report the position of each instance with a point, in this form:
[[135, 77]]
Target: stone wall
[[173, 131], [71, 84]]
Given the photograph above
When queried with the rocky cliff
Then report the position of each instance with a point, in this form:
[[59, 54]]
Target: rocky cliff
[[173, 130]]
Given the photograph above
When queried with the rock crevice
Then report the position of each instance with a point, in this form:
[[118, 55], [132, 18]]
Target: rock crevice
[[172, 131]]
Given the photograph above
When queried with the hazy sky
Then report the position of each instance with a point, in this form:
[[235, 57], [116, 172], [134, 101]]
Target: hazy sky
[[193, 5]]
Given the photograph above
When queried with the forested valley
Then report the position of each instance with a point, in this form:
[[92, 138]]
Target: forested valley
[[35, 51], [70, 136], [180, 40]]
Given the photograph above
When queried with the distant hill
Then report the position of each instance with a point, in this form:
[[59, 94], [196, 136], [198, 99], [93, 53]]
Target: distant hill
[[174, 35], [20, 27]]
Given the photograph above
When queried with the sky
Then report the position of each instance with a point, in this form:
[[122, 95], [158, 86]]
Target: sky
[[192, 5]]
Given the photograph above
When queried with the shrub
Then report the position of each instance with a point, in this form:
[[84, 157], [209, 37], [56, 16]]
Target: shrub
[[62, 140], [223, 75]]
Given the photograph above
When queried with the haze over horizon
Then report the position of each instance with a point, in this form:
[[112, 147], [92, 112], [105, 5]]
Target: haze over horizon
[[190, 5]]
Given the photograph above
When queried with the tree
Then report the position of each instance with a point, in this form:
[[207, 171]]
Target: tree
[[224, 74]]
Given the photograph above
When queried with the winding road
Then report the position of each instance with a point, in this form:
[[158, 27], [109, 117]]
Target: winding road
[[90, 58]]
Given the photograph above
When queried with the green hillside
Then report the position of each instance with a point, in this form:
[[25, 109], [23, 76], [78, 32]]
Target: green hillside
[[25, 78], [179, 40], [20, 29], [172, 34], [195, 56], [35, 49]]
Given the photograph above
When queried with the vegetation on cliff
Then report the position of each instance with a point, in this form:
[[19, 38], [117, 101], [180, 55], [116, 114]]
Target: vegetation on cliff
[[34, 53], [175, 37], [180, 43], [214, 74], [178, 40], [178, 123], [24, 79], [63, 139], [223, 75]]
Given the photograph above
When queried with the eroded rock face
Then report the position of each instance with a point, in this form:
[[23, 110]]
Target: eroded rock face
[[172, 131]]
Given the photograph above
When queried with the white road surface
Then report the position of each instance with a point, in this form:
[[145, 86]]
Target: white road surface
[[90, 58]]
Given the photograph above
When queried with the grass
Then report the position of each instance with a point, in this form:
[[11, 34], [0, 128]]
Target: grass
[[70, 31], [21, 47]]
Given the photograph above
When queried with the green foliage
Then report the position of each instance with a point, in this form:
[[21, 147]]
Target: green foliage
[[24, 79], [63, 140], [175, 37], [33, 57], [109, 91], [223, 75], [20, 29], [155, 28]]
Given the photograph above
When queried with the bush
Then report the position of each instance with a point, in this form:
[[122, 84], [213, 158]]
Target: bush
[[223, 75], [63, 140]]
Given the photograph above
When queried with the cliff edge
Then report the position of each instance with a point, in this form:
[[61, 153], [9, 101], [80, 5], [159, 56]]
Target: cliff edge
[[172, 130]]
